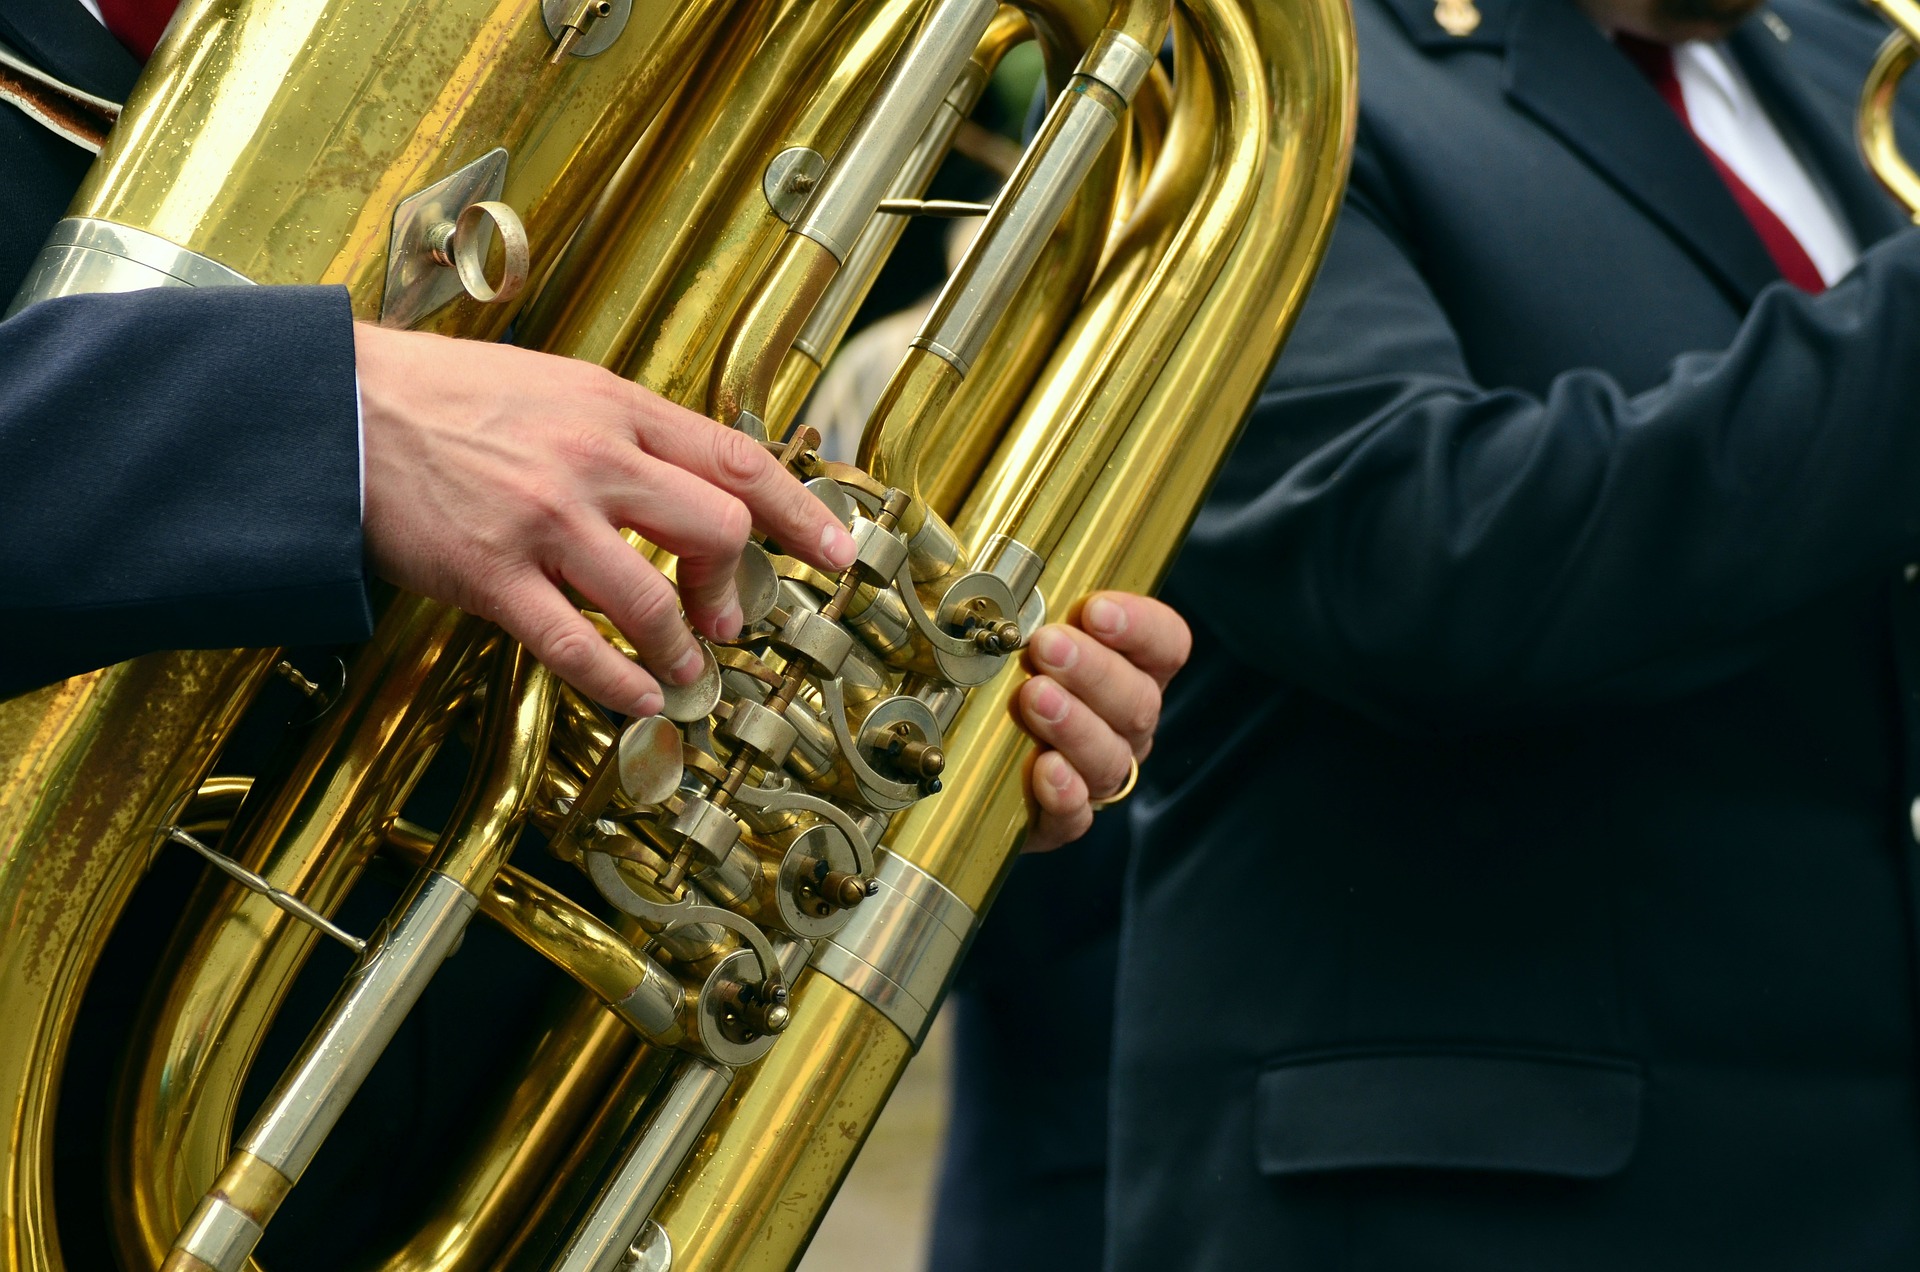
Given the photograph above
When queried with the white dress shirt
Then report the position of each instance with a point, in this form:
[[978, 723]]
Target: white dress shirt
[[1729, 119]]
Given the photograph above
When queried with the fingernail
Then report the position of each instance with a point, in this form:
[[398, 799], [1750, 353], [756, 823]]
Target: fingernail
[[648, 704], [1057, 775], [687, 670], [1055, 649], [1049, 702], [728, 625], [836, 545], [1104, 618]]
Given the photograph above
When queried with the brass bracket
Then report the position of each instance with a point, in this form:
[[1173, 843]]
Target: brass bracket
[[440, 240], [582, 28], [791, 179]]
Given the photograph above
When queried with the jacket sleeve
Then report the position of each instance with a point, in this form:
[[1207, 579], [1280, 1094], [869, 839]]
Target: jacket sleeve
[[178, 469], [1442, 554]]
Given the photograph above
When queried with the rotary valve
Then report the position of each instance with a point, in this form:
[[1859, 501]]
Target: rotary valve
[[741, 824]]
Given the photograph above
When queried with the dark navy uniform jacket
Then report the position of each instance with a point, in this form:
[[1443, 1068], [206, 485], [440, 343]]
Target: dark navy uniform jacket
[[178, 468], [1525, 878]]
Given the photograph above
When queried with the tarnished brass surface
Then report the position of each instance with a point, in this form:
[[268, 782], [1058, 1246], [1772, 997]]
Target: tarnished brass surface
[[312, 838], [87, 768], [243, 171], [623, 295], [1877, 143], [1106, 465], [750, 1203], [276, 137]]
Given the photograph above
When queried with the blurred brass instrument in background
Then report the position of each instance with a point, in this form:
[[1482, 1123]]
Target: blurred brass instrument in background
[[1877, 142], [772, 897]]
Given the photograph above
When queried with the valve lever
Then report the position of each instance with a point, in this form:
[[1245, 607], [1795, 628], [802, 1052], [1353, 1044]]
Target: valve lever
[[254, 883]]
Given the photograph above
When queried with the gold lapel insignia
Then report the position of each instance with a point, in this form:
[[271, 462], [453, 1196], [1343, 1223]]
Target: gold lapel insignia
[[1456, 17]]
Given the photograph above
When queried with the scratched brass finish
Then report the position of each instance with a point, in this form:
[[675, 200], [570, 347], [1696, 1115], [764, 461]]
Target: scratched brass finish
[[1101, 472], [1877, 142], [417, 88], [70, 855], [823, 1094], [737, 1013], [177, 1122]]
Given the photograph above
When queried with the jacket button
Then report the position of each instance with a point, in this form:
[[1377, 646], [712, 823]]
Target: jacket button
[[1913, 819], [1911, 570]]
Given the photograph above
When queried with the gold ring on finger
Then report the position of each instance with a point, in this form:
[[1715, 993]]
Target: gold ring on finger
[[1126, 787]]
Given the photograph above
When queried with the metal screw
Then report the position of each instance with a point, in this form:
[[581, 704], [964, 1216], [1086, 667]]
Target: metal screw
[[1001, 636]]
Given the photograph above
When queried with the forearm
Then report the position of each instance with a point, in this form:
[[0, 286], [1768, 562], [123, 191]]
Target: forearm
[[182, 470], [1440, 551]]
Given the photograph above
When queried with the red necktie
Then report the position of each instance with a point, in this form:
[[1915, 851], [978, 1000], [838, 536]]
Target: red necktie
[[1656, 63], [138, 24]]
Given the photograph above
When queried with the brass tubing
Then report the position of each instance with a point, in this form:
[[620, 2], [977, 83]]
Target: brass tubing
[[751, 354], [213, 805], [687, 325], [749, 1198], [1146, 139], [1072, 426], [893, 123], [570, 1187], [1283, 80], [576, 1063], [596, 302], [568, 1073], [311, 837], [880, 144], [825, 326], [302, 1109], [692, 1092], [475, 71], [623, 978], [933, 433], [1878, 144], [1025, 214], [634, 987], [639, 310]]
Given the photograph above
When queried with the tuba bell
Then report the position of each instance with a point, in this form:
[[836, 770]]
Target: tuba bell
[[773, 882]]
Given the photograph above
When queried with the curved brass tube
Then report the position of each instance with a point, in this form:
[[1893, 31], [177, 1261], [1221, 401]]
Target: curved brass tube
[[575, 1065], [174, 1122], [1143, 279], [828, 321], [566, 1078], [932, 431], [1878, 145], [824, 232]]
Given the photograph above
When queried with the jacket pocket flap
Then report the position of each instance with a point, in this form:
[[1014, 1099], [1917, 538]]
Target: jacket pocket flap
[[1573, 1116]]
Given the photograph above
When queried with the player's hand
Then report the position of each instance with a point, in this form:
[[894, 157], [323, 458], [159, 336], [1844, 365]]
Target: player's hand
[[496, 475], [1093, 704]]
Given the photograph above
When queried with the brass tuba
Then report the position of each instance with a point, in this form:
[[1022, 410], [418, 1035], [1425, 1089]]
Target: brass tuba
[[778, 876]]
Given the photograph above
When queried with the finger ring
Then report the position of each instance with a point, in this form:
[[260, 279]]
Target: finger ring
[[1126, 787]]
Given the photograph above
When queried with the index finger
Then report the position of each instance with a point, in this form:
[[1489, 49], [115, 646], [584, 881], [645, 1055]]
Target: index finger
[[729, 459], [1150, 633]]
